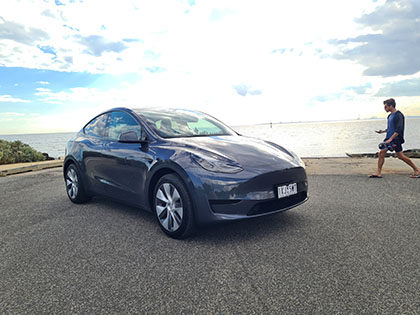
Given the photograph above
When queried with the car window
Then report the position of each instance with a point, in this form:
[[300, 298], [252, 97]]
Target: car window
[[96, 128], [204, 127], [121, 122], [180, 123]]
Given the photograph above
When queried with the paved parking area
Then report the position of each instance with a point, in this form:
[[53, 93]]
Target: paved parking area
[[353, 248]]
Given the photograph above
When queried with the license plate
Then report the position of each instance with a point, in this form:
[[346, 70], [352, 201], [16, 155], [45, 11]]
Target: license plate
[[287, 190]]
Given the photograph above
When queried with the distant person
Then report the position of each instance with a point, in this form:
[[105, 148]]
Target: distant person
[[394, 139]]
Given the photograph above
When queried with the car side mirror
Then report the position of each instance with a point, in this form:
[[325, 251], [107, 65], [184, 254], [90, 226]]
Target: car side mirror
[[144, 140], [129, 136]]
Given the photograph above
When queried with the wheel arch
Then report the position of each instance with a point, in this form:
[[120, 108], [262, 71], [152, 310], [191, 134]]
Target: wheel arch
[[162, 170], [69, 160]]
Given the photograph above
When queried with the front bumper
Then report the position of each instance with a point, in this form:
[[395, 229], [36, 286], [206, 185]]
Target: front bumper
[[229, 199], [250, 208]]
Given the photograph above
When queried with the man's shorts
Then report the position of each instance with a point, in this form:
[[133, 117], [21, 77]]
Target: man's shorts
[[396, 145]]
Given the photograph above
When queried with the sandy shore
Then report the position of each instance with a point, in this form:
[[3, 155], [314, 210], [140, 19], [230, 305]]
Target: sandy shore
[[314, 166], [362, 166]]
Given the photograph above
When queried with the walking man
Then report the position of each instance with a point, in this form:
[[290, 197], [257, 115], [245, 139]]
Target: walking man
[[394, 138]]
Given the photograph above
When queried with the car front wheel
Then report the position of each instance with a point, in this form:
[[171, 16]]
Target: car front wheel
[[173, 207], [74, 185]]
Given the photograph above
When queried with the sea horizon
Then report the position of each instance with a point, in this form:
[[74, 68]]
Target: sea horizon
[[241, 125]]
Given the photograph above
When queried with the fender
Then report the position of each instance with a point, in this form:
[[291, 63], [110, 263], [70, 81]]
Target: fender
[[171, 167], [71, 159]]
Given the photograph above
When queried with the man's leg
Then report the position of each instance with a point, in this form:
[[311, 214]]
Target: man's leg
[[407, 160], [381, 160]]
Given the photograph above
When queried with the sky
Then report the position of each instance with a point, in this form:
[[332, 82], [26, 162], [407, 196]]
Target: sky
[[245, 62]]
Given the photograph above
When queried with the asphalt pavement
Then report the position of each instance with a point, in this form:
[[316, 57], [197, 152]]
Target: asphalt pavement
[[353, 248]]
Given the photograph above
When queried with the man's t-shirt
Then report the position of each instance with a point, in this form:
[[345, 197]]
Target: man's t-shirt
[[395, 124]]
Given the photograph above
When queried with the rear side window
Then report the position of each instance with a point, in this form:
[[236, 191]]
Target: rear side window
[[121, 122], [96, 128]]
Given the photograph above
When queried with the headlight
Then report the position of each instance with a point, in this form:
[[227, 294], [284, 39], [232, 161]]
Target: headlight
[[216, 163]]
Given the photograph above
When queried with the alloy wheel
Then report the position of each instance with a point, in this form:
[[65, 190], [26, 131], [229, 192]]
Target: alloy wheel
[[169, 207], [72, 183]]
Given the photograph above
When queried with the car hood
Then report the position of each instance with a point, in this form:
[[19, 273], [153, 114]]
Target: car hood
[[248, 152]]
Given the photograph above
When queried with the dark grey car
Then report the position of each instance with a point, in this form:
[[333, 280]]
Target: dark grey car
[[186, 167]]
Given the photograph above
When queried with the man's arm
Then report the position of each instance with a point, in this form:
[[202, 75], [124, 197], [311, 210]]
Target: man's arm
[[399, 123], [392, 137]]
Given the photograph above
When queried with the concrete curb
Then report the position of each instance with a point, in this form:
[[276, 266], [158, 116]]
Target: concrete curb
[[10, 169]]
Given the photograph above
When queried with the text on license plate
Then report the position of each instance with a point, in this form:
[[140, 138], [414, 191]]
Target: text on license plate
[[287, 190]]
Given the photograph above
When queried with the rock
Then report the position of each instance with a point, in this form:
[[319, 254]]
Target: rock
[[47, 157]]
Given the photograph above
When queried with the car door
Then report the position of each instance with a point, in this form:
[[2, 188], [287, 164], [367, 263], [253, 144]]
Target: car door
[[126, 163], [93, 148]]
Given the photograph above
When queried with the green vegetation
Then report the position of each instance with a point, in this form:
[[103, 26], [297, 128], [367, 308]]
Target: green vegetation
[[18, 152]]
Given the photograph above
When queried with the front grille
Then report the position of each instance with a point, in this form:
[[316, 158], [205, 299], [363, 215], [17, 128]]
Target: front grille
[[277, 204]]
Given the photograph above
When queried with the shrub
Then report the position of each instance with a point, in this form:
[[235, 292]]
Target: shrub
[[18, 152]]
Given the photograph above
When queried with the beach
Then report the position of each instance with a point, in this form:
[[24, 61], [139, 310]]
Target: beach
[[356, 166]]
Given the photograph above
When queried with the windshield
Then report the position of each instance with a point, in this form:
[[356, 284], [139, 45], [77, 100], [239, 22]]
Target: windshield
[[176, 123]]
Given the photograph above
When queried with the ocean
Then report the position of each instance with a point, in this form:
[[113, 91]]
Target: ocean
[[312, 139], [332, 139]]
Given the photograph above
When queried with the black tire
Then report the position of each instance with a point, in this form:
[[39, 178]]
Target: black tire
[[74, 185], [173, 207]]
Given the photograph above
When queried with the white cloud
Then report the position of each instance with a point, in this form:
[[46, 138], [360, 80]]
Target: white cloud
[[391, 47], [11, 114], [9, 98], [115, 38], [42, 91], [242, 61]]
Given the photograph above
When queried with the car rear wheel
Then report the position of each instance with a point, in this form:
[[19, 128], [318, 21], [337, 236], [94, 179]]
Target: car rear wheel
[[173, 207], [74, 185]]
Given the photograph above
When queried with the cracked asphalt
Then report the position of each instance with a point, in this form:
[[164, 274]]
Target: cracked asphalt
[[353, 248]]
